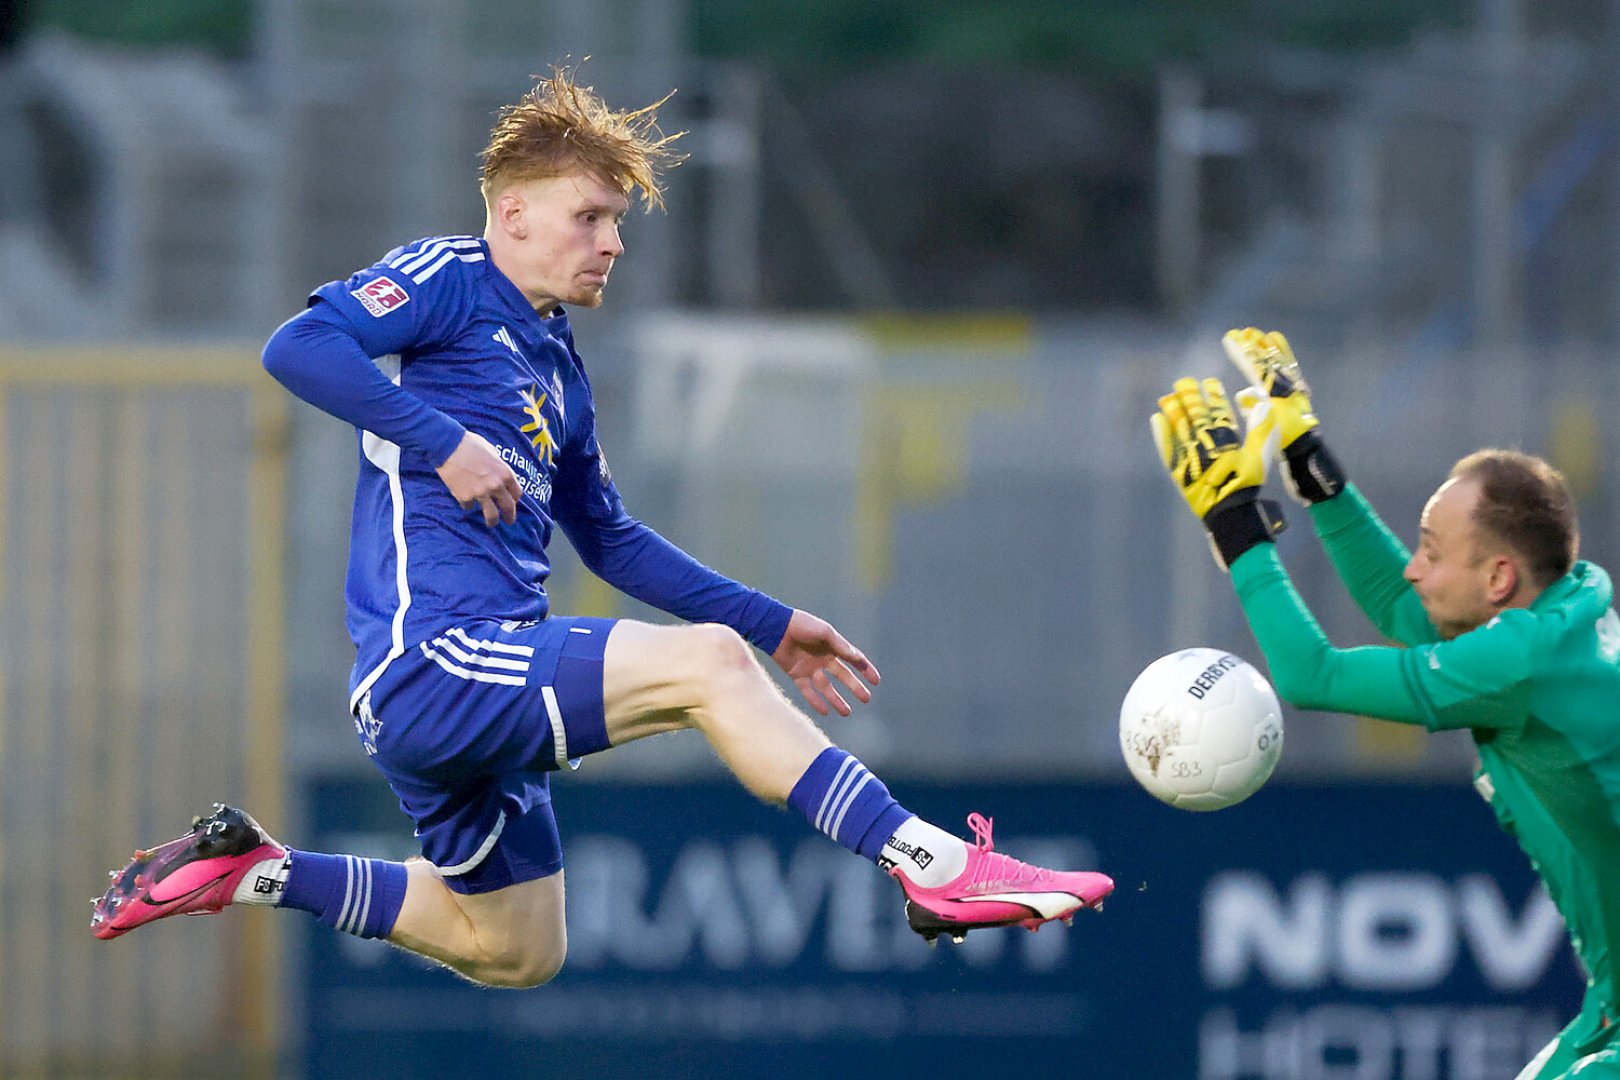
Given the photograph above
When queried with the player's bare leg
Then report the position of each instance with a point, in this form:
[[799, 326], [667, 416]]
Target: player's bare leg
[[512, 937], [666, 678], [658, 679]]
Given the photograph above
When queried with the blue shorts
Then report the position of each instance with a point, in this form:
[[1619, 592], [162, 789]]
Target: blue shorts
[[467, 727]]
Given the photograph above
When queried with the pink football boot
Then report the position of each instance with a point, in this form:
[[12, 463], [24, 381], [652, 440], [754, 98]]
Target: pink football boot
[[194, 875], [998, 890]]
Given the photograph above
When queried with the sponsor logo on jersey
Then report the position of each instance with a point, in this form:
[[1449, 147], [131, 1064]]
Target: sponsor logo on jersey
[[380, 296], [538, 430]]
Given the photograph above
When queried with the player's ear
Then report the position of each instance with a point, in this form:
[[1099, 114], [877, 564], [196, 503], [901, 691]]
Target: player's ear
[[1503, 582], [510, 212]]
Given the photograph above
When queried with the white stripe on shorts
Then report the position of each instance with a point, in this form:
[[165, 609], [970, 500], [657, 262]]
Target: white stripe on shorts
[[491, 646], [473, 676], [559, 734], [479, 659], [481, 854]]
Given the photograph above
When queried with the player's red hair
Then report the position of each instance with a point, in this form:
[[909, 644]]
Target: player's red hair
[[559, 127]]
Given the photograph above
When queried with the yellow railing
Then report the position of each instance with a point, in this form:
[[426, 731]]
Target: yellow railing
[[141, 673]]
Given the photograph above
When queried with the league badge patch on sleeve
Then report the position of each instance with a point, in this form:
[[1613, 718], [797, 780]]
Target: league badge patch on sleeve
[[380, 296]]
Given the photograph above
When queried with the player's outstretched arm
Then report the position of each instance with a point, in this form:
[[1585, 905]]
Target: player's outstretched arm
[[1367, 556], [1475, 680], [813, 654]]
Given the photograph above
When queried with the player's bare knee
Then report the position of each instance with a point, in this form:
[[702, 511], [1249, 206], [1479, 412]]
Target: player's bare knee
[[524, 968], [723, 657], [529, 971], [716, 665]]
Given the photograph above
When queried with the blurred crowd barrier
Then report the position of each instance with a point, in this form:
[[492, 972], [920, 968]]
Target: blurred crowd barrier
[[140, 679], [975, 501], [978, 503]]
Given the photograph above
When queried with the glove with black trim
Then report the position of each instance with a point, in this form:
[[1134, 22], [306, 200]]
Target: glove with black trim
[[1216, 470], [1310, 471]]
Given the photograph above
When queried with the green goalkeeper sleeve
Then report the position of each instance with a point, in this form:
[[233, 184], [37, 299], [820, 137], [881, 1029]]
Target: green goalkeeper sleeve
[[1371, 562], [1478, 679]]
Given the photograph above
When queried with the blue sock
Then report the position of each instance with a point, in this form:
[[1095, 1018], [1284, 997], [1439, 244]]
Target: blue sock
[[840, 797], [355, 895]]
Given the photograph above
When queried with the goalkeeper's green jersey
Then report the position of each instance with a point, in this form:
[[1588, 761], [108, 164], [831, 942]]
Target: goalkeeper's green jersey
[[1539, 687]]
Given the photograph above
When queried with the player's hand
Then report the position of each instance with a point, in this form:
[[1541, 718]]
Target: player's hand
[[814, 654], [1201, 447], [1279, 397], [1267, 361], [1215, 468], [476, 476]]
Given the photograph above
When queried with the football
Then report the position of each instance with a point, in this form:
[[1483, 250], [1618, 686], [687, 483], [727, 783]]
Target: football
[[1201, 729]]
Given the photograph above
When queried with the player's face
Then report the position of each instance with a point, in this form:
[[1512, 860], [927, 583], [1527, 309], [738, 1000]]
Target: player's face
[[1450, 571], [569, 238]]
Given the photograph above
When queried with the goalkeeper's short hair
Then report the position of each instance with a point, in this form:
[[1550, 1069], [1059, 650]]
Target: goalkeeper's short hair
[[1525, 502]]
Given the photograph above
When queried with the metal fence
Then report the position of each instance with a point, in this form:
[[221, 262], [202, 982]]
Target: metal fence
[[141, 541], [976, 502]]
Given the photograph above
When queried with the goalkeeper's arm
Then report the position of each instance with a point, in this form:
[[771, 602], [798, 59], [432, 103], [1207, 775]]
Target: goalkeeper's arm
[[1371, 562], [1479, 679], [1367, 556]]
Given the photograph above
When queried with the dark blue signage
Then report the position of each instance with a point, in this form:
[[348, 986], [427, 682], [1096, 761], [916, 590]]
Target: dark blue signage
[[1340, 933]]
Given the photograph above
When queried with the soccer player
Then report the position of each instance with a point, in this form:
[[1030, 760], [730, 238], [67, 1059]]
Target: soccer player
[[1506, 634], [454, 359]]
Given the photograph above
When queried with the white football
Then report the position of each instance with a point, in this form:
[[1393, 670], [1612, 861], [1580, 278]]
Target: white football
[[1201, 729]]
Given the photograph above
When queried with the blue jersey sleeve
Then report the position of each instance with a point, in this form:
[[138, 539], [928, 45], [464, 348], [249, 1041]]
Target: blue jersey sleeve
[[633, 558], [411, 301], [317, 356]]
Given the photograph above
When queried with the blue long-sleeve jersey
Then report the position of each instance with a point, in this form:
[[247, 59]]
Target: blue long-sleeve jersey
[[429, 343]]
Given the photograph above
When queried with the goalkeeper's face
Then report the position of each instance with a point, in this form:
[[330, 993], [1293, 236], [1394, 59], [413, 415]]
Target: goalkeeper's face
[[1462, 578]]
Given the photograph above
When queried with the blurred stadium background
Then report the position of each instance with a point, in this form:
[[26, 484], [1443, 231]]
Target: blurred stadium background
[[889, 356]]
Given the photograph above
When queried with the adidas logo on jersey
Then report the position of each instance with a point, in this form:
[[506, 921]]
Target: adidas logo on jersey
[[504, 336]]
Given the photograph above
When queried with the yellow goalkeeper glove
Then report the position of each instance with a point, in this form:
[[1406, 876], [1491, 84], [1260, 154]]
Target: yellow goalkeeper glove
[[1279, 397], [1216, 470]]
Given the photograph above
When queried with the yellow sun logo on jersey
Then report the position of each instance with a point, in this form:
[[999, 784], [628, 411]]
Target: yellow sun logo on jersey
[[544, 445]]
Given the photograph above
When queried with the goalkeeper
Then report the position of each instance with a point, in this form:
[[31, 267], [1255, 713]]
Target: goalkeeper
[[1508, 635]]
